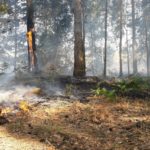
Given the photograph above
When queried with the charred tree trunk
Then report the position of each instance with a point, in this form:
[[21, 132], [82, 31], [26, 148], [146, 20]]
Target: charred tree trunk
[[79, 34], [32, 60], [105, 49]]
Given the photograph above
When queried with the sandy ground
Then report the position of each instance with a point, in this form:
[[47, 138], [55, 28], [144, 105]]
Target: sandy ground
[[11, 94], [8, 142]]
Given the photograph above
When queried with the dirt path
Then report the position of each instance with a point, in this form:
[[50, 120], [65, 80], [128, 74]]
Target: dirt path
[[8, 142]]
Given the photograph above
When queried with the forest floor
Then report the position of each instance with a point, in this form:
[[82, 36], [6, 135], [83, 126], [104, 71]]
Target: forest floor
[[9, 142], [62, 123]]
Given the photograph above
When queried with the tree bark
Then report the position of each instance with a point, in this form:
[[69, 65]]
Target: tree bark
[[93, 48], [16, 46], [127, 41], [147, 49], [120, 44], [105, 48], [79, 34], [32, 60], [134, 39], [128, 57]]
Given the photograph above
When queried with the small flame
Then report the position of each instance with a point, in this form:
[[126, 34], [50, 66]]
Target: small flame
[[5, 111], [24, 106]]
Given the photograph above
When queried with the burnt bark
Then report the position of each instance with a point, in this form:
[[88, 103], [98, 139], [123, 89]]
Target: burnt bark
[[105, 48], [79, 35], [32, 60]]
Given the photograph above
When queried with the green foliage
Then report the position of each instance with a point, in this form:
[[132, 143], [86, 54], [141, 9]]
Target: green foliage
[[142, 83], [126, 87], [103, 91], [3, 8], [133, 84]]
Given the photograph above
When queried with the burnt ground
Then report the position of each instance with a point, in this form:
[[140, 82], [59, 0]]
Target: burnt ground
[[76, 119], [96, 125]]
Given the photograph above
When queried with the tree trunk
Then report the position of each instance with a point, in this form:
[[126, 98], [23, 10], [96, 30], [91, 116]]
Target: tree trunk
[[147, 49], [32, 60], [133, 39], [120, 44], [127, 41], [105, 49], [93, 48], [16, 46], [79, 34], [128, 58]]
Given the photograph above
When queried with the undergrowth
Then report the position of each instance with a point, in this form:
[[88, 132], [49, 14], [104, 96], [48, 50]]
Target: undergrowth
[[131, 87]]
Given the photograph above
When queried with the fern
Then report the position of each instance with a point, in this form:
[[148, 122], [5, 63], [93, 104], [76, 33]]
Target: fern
[[103, 91]]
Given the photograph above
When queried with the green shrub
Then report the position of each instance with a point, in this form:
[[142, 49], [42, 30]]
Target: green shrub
[[125, 87], [103, 91]]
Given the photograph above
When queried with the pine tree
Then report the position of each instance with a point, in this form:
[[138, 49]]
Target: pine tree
[[79, 34]]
